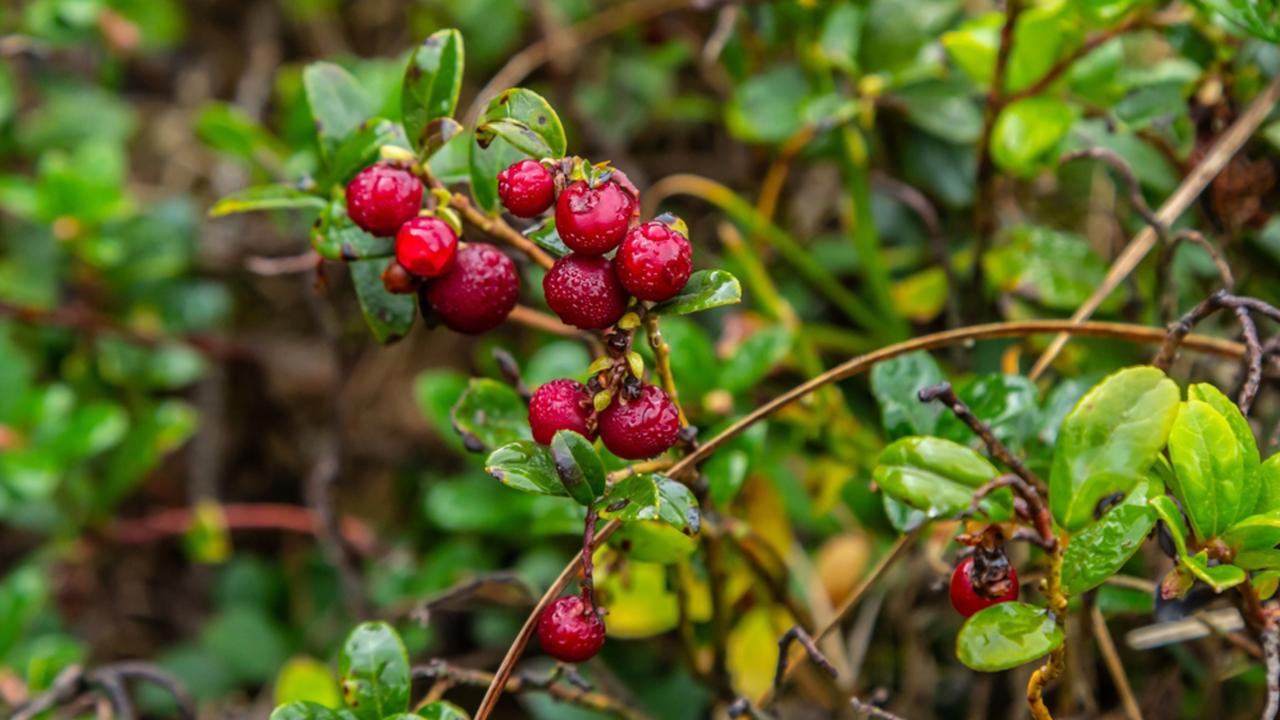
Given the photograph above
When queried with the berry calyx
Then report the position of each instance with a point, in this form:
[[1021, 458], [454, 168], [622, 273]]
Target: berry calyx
[[641, 427], [562, 404], [967, 598], [478, 293], [655, 262], [426, 246], [526, 188], [570, 630], [593, 220], [585, 292], [381, 198], [399, 281]]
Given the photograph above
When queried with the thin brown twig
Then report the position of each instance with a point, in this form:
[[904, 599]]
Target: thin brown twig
[[1271, 658], [305, 261], [1064, 63], [1111, 658], [872, 711], [1241, 306], [943, 393], [439, 670], [239, 516], [662, 363], [75, 682]]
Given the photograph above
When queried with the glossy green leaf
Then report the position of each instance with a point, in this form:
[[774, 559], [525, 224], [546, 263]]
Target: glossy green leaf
[[896, 385], [1257, 532], [1055, 269], [938, 476], [1269, 485], [1167, 511], [1027, 133], [1208, 468], [525, 465], [1245, 441], [266, 197], [973, 45], [442, 710], [706, 289], [767, 107], [1009, 404], [1109, 441], [654, 541], [545, 236], [483, 166], [490, 414], [1218, 577], [432, 81], [362, 147], [374, 671], [338, 104], [526, 120], [578, 465], [1265, 559], [336, 237], [1099, 551], [1007, 635], [306, 710], [388, 316], [305, 679], [651, 497]]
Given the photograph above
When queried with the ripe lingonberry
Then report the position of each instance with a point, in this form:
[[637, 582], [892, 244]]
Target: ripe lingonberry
[[593, 220], [655, 262], [562, 404], [570, 630], [642, 427], [966, 599], [381, 198], [585, 292], [526, 188], [478, 293], [426, 246], [399, 281]]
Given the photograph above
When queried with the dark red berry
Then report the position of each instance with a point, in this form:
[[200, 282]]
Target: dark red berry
[[526, 188], [562, 404], [966, 599], [592, 221], [381, 198], [426, 246], [478, 293], [655, 262], [585, 292], [639, 428], [570, 630], [399, 281]]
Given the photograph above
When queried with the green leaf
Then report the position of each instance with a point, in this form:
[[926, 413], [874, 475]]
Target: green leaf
[[305, 679], [484, 164], [973, 45], [896, 385], [1218, 577], [1168, 513], [265, 197], [336, 237], [545, 236], [1007, 635], [1245, 442], [943, 109], [389, 316], [361, 148], [374, 669], [755, 357], [525, 465], [938, 476], [442, 710], [526, 120], [432, 81], [306, 710], [651, 497], [1101, 549], [706, 289], [1027, 133], [578, 465], [767, 107], [338, 104], [1269, 485], [1208, 468], [1055, 269], [1008, 403], [1041, 33], [1266, 559], [1109, 441], [1260, 19], [654, 541], [490, 414], [1257, 532], [840, 35]]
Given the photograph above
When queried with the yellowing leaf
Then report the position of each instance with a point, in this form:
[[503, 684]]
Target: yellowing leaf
[[307, 679], [636, 598], [921, 296]]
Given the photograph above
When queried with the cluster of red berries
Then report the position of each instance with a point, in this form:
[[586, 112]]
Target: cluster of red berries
[[470, 287]]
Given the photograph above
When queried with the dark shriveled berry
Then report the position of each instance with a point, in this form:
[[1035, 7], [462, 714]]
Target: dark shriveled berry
[[570, 630], [640, 427], [478, 293], [426, 246], [966, 599], [562, 404], [585, 292], [593, 220], [526, 188], [381, 198], [655, 262], [399, 281]]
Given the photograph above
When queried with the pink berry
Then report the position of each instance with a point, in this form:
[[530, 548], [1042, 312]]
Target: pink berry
[[570, 630], [478, 293], [642, 427], [655, 262], [381, 198], [562, 404], [585, 292], [592, 221], [426, 246], [526, 188]]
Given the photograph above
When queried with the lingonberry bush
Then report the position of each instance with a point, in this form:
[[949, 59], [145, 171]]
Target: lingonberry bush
[[968, 170]]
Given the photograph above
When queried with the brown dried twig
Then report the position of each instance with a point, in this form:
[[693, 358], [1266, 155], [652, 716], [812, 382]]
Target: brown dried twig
[[110, 680]]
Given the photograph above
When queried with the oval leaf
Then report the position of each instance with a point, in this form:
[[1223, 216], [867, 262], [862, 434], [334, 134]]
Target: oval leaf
[[706, 289], [441, 710], [338, 104], [896, 384], [1007, 635], [651, 497], [1101, 549], [1269, 485], [578, 465], [546, 237], [490, 414], [1109, 440], [1208, 468], [526, 120], [1027, 133], [306, 710], [374, 669], [653, 541], [1218, 577], [361, 148], [1245, 442], [432, 81], [389, 316], [525, 465], [265, 197], [1258, 532], [938, 476]]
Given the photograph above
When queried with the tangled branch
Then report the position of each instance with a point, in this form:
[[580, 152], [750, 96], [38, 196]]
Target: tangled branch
[[109, 681]]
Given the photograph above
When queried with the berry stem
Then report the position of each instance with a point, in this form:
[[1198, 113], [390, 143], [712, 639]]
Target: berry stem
[[588, 563], [662, 362], [1057, 662]]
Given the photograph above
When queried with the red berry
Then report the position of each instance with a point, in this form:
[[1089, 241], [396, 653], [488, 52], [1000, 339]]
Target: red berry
[[562, 404], [526, 188], [592, 221], [381, 198], [642, 427], [585, 292], [426, 246], [399, 281], [655, 262], [570, 630], [965, 597], [478, 293]]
